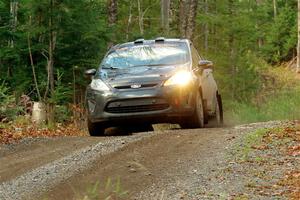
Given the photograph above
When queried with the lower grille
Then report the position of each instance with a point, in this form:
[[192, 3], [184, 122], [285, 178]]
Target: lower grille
[[133, 109], [123, 87], [136, 105]]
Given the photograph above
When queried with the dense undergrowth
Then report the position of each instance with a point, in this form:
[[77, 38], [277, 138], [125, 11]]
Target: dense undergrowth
[[278, 99]]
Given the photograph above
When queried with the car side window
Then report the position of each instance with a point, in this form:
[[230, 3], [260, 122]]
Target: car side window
[[195, 57]]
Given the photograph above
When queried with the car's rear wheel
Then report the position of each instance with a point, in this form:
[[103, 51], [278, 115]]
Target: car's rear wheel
[[95, 129], [197, 119], [220, 109], [218, 119]]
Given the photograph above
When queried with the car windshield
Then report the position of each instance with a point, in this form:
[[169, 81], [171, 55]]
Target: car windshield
[[147, 55]]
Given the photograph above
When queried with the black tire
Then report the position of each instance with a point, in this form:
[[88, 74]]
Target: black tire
[[95, 129], [218, 118], [220, 105], [197, 120]]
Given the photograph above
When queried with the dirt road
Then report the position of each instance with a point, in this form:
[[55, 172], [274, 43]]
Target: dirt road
[[173, 164]]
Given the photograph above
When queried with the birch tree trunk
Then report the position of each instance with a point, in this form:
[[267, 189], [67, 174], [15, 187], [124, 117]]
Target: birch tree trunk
[[13, 19]]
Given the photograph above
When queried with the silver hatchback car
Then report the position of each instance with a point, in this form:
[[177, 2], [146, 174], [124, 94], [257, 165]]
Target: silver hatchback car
[[145, 82]]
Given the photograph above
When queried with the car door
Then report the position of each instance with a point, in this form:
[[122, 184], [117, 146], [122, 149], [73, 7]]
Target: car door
[[207, 82]]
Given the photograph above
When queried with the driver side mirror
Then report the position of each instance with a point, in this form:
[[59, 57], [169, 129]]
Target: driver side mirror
[[205, 64], [90, 72]]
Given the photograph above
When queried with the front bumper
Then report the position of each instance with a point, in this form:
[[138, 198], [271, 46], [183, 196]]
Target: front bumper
[[152, 105]]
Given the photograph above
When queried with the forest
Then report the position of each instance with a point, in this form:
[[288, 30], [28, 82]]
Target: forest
[[46, 45]]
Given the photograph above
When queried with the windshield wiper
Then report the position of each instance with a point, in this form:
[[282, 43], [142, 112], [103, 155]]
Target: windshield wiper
[[151, 65], [112, 68]]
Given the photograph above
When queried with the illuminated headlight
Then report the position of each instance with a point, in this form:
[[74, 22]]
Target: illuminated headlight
[[98, 84], [181, 78]]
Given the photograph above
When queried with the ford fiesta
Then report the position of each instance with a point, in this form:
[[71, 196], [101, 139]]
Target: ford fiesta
[[145, 82]]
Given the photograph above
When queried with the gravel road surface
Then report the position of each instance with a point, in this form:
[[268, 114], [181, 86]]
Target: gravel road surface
[[172, 164]]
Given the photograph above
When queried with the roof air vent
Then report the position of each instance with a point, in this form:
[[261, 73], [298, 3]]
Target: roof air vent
[[160, 39], [139, 41]]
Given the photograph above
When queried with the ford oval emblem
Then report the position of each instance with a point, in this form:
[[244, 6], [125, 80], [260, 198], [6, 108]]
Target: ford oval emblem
[[136, 86]]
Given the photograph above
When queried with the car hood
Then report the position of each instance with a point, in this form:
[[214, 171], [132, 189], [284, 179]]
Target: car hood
[[137, 75]]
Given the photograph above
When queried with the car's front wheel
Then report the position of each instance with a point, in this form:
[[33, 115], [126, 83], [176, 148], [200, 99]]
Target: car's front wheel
[[95, 129], [197, 119], [219, 110], [218, 118]]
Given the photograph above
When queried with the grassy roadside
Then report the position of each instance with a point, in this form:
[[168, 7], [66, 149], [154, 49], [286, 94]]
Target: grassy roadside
[[112, 190], [268, 162], [277, 99]]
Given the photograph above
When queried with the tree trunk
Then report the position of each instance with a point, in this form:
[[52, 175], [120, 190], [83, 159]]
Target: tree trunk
[[129, 21], [13, 26], [50, 64], [141, 20], [74, 95], [232, 49], [52, 41], [191, 20], [112, 12], [275, 8], [13, 19], [260, 40], [165, 8], [112, 8], [32, 64], [183, 5], [298, 47], [206, 30]]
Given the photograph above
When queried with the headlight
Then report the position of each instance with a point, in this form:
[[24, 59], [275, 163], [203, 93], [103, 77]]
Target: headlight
[[98, 84], [181, 78]]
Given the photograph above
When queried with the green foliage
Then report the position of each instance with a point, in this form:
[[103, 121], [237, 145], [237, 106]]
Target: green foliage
[[80, 33], [241, 36], [62, 114], [282, 36], [8, 108], [62, 94], [111, 190]]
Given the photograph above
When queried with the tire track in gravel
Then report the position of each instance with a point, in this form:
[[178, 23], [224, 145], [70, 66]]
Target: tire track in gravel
[[39, 180], [171, 165], [19, 158], [158, 161]]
